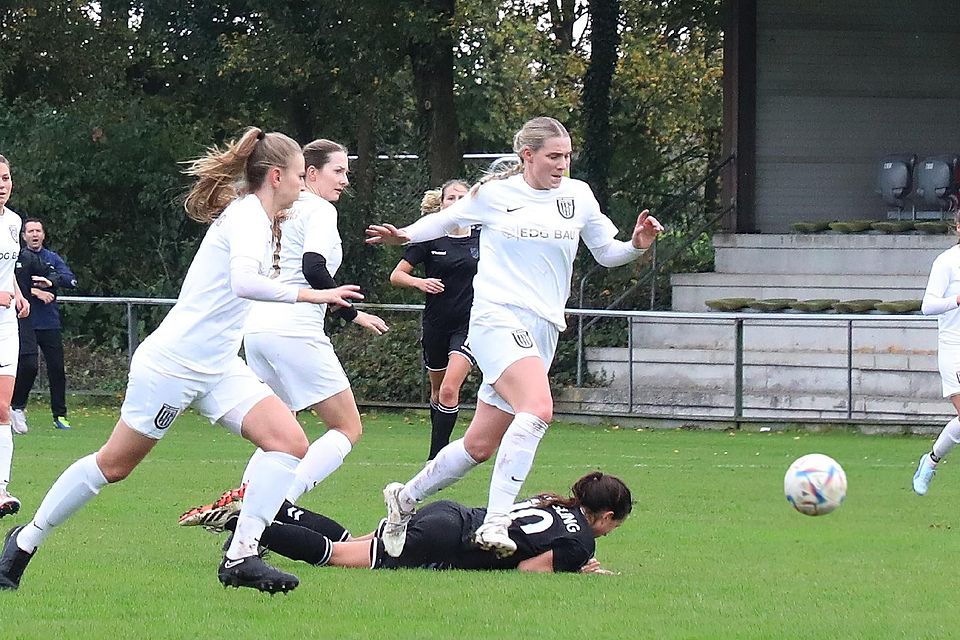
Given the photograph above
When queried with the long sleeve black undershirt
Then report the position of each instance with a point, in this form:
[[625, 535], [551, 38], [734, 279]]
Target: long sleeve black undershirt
[[318, 276]]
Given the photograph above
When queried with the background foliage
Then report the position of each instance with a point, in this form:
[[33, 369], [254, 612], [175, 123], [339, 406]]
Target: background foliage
[[100, 102]]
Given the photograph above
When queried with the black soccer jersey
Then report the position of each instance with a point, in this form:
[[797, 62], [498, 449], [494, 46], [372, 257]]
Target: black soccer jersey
[[441, 537], [454, 262]]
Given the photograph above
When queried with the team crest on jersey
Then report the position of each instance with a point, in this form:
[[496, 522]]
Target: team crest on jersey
[[166, 416], [522, 338], [566, 207], [14, 233], [475, 253]]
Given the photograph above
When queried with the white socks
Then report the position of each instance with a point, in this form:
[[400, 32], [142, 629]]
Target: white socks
[[269, 476], [451, 463], [948, 439], [6, 455], [514, 461], [74, 488], [323, 457]]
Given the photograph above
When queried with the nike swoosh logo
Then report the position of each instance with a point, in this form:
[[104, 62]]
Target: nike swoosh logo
[[516, 479], [230, 564], [5, 365], [509, 210]]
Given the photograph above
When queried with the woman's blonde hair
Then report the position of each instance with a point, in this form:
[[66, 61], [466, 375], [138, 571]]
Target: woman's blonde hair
[[532, 135], [241, 167], [433, 198]]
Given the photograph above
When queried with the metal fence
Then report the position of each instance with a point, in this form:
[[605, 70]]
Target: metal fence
[[738, 350]]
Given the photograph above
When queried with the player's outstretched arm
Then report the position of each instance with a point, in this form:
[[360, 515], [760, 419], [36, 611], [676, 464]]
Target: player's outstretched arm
[[339, 296], [373, 324], [542, 563], [386, 234]]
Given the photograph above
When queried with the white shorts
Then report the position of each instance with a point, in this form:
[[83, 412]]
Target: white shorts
[[158, 391], [301, 371], [9, 354], [948, 361], [499, 336]]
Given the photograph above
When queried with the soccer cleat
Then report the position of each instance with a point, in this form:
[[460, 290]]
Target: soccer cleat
[[924, 474], [18, 421], [254, 573], [13, 561], [493, 536], [60, 422], [214, 516], [8, 504], [394, 533]]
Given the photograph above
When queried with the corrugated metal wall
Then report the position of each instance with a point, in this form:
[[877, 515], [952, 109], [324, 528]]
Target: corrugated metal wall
[[839, 85]]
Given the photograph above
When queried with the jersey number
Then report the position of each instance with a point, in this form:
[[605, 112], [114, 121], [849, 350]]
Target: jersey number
[[544, 519]]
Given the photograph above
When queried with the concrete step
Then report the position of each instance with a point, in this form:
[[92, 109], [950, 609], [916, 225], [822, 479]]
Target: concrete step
[[781, 333], [824, 373], [690, 291], [796, 254], [903, 413]]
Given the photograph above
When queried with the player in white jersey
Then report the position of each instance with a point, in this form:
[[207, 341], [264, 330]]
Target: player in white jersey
[[12, 306], [942, 298], [191, 359], [286, 345], [532, 220]]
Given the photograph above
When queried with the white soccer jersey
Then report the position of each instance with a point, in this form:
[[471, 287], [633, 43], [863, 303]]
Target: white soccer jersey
[[529, 240], [10, 224], [310, 226], [204, 329], [940, 297]]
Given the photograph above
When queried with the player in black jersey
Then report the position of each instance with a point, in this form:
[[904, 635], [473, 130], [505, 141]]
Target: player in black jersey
[[449, 264], [552, 533]]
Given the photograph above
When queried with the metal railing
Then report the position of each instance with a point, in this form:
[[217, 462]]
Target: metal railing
[[740, 346], [656, 263]]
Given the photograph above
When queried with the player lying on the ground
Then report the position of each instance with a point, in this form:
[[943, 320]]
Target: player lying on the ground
[[552, 533]]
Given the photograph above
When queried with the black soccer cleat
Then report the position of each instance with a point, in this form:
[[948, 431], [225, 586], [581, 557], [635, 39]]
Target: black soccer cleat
[[254, 573], [13, 561]]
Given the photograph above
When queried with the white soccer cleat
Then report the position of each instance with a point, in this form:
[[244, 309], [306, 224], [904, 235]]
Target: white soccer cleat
[[493, 536], [394, 534], [18, 421], [921, 479], [8, 504]]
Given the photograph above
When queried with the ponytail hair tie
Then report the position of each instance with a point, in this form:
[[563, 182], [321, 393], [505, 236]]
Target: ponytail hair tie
[[260, 135]]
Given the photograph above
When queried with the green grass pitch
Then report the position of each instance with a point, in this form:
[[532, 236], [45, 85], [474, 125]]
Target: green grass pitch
[[712, 549]]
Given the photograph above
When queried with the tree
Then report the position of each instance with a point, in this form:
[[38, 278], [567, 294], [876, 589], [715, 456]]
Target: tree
[[604, 40], [431, 57]]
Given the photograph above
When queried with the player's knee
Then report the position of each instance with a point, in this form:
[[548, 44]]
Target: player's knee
[[353, 432], [543, 409], [449, 395], [293, 442], [115, 470], [480, 450]]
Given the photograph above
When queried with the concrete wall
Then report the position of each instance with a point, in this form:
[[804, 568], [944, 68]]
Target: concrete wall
[[841, 84]]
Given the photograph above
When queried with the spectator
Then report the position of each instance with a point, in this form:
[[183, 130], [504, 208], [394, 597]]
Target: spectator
[[45, 320]]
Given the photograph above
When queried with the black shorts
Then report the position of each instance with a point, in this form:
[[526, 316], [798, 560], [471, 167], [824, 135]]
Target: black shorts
[[28, 338], [437, 535], [438, 345]]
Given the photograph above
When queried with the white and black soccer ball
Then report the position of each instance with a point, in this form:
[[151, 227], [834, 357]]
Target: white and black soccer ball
[[815, 484]]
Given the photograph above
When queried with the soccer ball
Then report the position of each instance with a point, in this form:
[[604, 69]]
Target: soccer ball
[[815, 484]]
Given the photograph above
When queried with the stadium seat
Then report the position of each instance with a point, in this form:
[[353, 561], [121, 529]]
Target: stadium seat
[[895, 181], [938, 178]]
